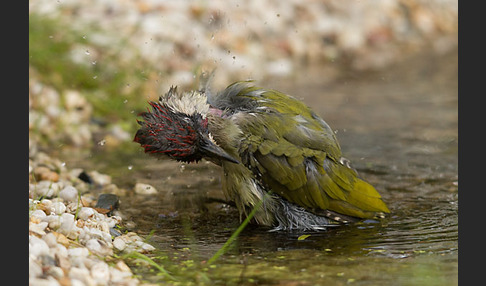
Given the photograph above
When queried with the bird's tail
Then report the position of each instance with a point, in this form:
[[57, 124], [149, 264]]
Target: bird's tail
[[358, 199]]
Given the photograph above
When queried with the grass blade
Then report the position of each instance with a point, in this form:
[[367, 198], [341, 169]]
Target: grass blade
[[235, 234]]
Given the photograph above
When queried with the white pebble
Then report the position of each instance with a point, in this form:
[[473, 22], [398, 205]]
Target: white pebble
[[98, 247], [100, 272], [38, 228], [50, 239], [59, 250], [100, 179], [46, 202], [145, 189], [112, 221], [143, 246], [69, 194], [54, 221], [78, 252], [35, 269], [119, 243], [67, 223], [85, 213], [72, 207], [55, 272], [91, 232], [38, 214], [46, 188], [37, 246], [122, 277], [76, 282], [58, 208], [81, 274], [49, 281]]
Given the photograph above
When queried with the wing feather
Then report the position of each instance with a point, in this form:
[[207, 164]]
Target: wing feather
[[296, 153]]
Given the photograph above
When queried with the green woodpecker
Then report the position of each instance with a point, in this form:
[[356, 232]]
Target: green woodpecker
[[271, 147]]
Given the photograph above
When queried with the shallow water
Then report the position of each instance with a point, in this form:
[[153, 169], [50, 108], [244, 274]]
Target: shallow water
[[399, 129]]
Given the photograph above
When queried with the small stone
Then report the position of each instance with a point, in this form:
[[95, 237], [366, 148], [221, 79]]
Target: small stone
[[78, 252], [113, 189], [113, 220], [63, 261], [81, 274], [143, 247], [83, 176], [49, 281], [55, 272], [50, 239], [38, 228], [100, 272], [58, 208], [100, 179], [119, 243], [114, 232], [75, 282], [145, 189], [122, 278], [40, 214], [69, 194], [106, 203], [54, 221], [35, 269], [98, 247], [61, 238], [37, 246], [45, 205], [85, 213], [72, 207], [67, 223], [122, 266], [43, 173], [59, 250], [46, 189]]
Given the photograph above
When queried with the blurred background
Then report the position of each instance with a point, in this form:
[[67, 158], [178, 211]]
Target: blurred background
[[94, 63]]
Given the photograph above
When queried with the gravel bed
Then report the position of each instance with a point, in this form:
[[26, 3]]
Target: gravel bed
[[71, 240]]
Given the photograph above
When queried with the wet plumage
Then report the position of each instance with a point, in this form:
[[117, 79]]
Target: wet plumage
[[271, 147]]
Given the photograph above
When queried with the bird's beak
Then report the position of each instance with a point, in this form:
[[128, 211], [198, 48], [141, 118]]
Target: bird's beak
[[213, 151]]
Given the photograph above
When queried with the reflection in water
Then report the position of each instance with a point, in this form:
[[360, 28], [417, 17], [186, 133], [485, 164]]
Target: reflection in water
[[399, 128]]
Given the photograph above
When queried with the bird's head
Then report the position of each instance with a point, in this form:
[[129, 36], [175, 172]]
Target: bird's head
[[177, 127]]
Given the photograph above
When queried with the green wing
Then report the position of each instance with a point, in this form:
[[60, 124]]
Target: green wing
[[296, 154]]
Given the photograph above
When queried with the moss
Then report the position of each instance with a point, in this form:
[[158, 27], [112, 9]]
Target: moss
[[116, 88]]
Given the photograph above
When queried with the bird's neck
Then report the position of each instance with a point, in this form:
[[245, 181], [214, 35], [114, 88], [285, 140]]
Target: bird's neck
[[224, 131]]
